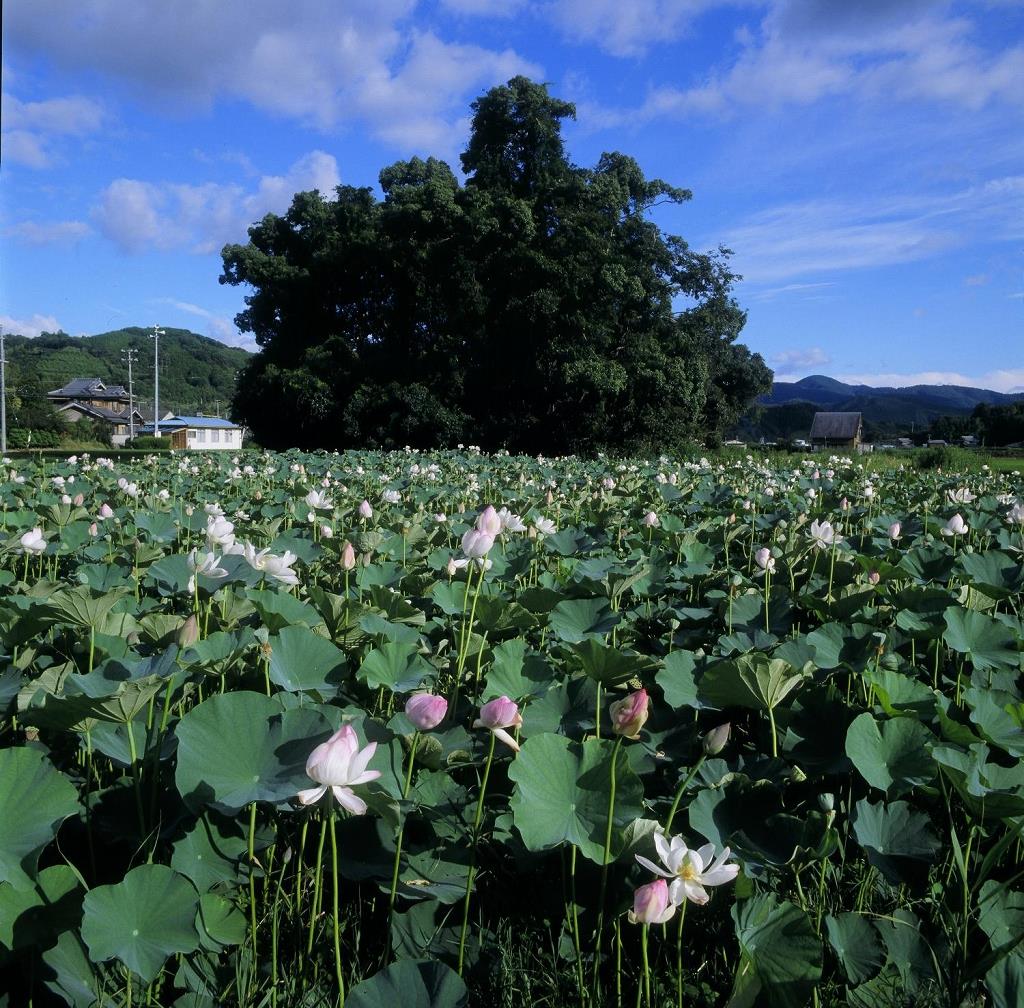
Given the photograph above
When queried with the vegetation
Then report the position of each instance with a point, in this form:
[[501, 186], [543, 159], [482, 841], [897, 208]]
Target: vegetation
[[531, 308], [435, 739]]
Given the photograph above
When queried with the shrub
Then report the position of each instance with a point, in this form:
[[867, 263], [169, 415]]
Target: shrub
[[18, 437], [945, 457], [147, 441]]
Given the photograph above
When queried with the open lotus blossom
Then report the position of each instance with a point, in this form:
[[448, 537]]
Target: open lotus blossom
[[391, 496], [280, 567], [219, 531], [340, 765], [823, 535], [630, 714], [545, 526], [960, 496], [318, 501], [894, 531], [206, 564], [651, 904], [764, 559], [1016, 514], [426, 710], [33, 541], [690, 870], [955, 526], [511, 522], [497, 715], [650, 520]]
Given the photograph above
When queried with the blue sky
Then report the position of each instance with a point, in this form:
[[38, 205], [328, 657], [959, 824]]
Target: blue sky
[[864, 159]]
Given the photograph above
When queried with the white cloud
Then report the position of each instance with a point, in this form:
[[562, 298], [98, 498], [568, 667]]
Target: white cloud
[[220, 326], [32, 327], [49, 232], [1002, 380], [771, 293], [31, 130], [484, 8], [811, 357], [977, 280], [818, 236], [138, 215], [319, 62]]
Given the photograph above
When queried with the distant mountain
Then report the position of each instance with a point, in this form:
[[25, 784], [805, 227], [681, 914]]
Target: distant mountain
[[784, 412], [197, 374]]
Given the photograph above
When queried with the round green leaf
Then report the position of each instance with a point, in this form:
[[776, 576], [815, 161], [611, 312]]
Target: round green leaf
[[563, 790], [575, 620], [146, 917], [43, 798], [899, 842], [238, 748], [303, 660], [411, 984], [893, 755]]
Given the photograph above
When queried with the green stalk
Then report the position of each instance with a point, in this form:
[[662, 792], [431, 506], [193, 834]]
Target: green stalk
[[645, 987], [680, 791], [604, 866], [401, 828], [252, 874], [472, 861], [334, 910], [317, 887]]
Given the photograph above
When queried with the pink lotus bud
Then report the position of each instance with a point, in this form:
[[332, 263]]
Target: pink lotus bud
[[425, 710], [894, 531], [106, 511], [188, 632], [489, 522], [476, 544], [651, 904], [365, 511], [716, 739], [497, 715], [93, 530], [65, 498], [844, 505], [549, 498], [452, 569], [874, 577], [764, 559], [630, 714], [348, 556], [650, 520], [78, 500], [326, 532]]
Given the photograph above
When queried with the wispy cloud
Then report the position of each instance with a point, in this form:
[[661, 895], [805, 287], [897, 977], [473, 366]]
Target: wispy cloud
[[220, 326], [139, 216], [806, 358], [67, 232], [770, 293], [1001, 380]]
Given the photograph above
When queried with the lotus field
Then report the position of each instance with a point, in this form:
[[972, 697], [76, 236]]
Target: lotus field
[[462, 729]]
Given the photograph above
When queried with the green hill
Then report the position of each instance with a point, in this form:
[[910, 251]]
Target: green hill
[[197, 374]]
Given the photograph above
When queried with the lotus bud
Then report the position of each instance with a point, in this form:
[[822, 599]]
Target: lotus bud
[[874, 577], [365, 510], [426, 711], [451, 568], [326, 532], [93, 529], [651, 904], [650, 520], [488, 522], [764, 559], [716, 739], [476, 544], [630, 714], [894, 531], [78, 500], [827, 802], [188, 632], [348, 556], [499, 714], [549, 498]]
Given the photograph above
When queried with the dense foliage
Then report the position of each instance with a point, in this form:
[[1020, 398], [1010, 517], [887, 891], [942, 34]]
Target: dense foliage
[[531, 307], [180, 636]]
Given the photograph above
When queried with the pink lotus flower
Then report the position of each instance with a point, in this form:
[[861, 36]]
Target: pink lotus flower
[[651, 904], [365, 510], [348, 556], [426, 710], [489, 522], [630, 714], [650, 520], [497, 715], [106, 511], [764, 559], [894, 531], [340, 765], [476, 544]]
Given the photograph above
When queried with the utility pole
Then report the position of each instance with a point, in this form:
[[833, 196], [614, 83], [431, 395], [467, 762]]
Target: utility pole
[[130, 355], [155, 337], [3, 395]]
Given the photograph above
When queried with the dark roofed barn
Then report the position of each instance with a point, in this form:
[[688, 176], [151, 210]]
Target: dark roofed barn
[[837, 430]]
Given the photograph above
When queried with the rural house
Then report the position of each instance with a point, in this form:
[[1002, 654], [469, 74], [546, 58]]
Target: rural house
[[837, 430], [92, 399], [198, 432]]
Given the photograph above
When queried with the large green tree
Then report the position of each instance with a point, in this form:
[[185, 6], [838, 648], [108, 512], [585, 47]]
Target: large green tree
[[533, 307]]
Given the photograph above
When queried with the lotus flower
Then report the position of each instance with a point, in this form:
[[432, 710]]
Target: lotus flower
[[545, 526], [764, 559], [497, 715], [716, 739], [426, 711], [955, 526], [477, 544], [318, 501], [280, 567], [690, 870], [1016, 514], [106, 511], [650, 520], [365, 510], [339, 764], [488, 522], [894, 531], [651, 904], [960, 496], [33, 541], [630, 714], [823, 535], [348, 556]]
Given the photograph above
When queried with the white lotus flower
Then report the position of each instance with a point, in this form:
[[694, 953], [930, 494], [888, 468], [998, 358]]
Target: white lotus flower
[[823, 535], [545, 526], [1016, 514], [690, 870], [955, 526], [318, 501], [33, 541], [280, 567], [340, 765], [764, 559], [960, 496]]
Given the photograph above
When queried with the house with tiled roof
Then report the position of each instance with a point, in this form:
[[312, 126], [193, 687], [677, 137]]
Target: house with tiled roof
[[93, 399], [190, 433]]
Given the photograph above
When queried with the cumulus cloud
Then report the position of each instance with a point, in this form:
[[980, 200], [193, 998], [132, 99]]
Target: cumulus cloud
[[1002, 380], [49, 232], [32, 130], [811, 357], [138, 216], [318, 62], [33, 326]]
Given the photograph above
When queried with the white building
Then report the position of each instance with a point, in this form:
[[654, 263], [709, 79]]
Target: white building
[[199, 433]]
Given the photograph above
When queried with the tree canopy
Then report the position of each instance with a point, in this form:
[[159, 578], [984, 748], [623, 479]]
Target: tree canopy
[[532, 307]]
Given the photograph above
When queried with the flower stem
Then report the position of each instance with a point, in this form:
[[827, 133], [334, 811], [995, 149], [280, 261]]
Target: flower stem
[[334, 911], [401, 828], [680, 791], [604, 865], [472, 861], [252, 875]]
